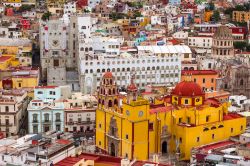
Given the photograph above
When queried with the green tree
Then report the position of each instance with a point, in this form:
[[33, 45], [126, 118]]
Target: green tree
[[46, 16], [216, 16], [137, 14], [240, 45], [26, 8]]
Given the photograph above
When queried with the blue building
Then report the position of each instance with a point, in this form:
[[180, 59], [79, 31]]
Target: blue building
[[46, 111], [174, 2]]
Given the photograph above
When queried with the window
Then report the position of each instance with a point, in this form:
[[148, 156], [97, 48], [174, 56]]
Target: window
[[207, 118], [241, 127], [212, 136], [204, 80], [198, 139], [58, 115], [35, 129], [126, 136], [205, 129], [100, 143], [212, 128], [46, 117], [74, 25], [151, 126], [39, 92], [212, 80], [100, 125], [19, 85], [6, 108], [58, 127], [194, 79], [34, 118], [186, 101], [232, 130], [220, 126], [56, 62], [180, 119], [188, 120], [180, 140], [83, 27]]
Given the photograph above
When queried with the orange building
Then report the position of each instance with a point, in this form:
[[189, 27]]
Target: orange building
[[205, 78], [207, 16]]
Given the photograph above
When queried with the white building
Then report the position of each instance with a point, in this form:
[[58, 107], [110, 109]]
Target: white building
[[148, 69], [108, 45], [237, 103], [183, 51], [202, 44], [180, 35], [69, 8]]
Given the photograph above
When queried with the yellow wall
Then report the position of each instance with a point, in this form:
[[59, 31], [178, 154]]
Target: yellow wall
[[146, 140], [14, 49], [241, 16]]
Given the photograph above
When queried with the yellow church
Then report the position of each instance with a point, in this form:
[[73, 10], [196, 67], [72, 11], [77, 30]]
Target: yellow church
[[137, 128]]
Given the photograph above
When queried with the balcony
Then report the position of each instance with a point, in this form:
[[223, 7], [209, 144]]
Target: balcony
[[80, 122], [47, 121], [6, 124], [58, 120]]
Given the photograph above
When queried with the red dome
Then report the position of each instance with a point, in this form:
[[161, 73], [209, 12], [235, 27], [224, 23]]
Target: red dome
[[187, 88], [132, 87], [108, 75]]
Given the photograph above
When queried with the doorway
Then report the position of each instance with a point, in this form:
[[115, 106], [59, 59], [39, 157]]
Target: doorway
[[164, 147], [112, 147]]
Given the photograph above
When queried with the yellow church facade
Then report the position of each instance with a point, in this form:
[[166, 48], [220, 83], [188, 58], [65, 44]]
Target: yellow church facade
[[137, 128]]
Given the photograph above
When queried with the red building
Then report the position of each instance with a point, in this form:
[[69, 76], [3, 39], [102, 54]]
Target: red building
[[25, 24], [81, 3]]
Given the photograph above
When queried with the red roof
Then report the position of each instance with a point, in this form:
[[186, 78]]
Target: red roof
[[108, 75], [4, 58], [199, 72], [187, 88], [161, 109], [63, 141], [217, 145], [231, 116], [238, 30]]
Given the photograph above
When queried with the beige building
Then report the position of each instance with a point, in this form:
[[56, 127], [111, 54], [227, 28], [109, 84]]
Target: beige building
[[79, 113], [13, 111], [222, 46], [241, 16]]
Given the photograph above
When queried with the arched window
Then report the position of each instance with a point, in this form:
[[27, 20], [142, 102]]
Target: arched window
[[103, 70], [99, 101], [115, 102], [102, 102], [241, 82], [114, 91], [101, 90], [81, 49], [109, 91], [206, 129], [110, 103], [111, 81], [86, 49], [90, 48]]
